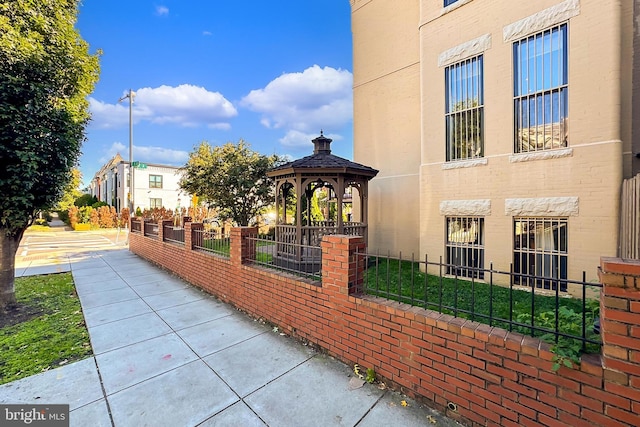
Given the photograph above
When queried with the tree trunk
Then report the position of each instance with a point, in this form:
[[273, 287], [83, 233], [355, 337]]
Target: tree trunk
[[8, 248]]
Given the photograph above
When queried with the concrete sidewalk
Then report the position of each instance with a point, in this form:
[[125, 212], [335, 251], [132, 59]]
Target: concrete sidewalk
[[168, 354]]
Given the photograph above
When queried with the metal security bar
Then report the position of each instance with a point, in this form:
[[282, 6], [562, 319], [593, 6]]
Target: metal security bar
[[464, 112], [540, 252], [541, 119], [465, 246]]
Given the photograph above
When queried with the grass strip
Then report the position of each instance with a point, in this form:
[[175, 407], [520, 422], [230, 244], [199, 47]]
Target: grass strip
[[46, 331]]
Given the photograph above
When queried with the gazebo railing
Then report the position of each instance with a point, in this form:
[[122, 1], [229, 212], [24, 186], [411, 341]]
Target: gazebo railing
[[312, 235]]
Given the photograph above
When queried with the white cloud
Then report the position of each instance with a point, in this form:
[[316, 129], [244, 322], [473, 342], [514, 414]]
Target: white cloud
[[149, 154], [207, 33], [165, 156], [317, 98], [184, 105], [162, 10], [108, 116], [297, 139]]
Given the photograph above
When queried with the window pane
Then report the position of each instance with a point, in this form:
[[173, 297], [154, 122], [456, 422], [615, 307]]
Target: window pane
[[540, 252], [540, 91], [464, 119], [465, 246]]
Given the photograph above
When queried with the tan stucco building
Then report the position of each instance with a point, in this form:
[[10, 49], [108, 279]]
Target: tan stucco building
[[502, 129]]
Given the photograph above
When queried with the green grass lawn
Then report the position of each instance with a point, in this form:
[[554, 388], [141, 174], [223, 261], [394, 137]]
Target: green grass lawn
[[480, 301], [47, 330]]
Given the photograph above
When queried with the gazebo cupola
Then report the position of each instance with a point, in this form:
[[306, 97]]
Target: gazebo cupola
[[341, 183]]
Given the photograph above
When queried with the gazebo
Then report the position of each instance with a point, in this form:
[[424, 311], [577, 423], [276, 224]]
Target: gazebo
[[342, 182]]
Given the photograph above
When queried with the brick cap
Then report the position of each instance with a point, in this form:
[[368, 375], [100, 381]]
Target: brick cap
[[627, 267]]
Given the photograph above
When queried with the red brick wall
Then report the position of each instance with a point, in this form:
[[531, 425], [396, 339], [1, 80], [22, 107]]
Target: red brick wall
[[474, 373]]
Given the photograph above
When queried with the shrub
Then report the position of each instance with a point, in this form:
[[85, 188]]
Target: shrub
[[84, 214], [85, 200], [94, 218], [74, 216], [123, 220], [105, 217], [41, 221], [97, 205], [64, 216]]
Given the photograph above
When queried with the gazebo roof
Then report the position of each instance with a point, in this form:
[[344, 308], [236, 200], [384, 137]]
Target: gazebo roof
[[322, 161]]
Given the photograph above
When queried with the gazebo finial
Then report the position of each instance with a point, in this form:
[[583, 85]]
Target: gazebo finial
[[322, 144]]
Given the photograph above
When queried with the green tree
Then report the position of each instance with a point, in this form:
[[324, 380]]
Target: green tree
[[232, 179], [71, 192], [46, 73]]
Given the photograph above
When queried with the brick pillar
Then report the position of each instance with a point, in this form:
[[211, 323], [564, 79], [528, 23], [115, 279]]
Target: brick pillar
[[189, 228], [620, 329], [242, 248], [161, 225], [341, 269]]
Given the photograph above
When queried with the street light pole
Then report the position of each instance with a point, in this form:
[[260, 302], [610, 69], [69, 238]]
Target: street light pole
[[130, 95]]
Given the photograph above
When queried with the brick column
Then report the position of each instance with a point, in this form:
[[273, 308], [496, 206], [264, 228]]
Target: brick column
[[341, 269], [620, 329], [189, 227], [161, 225], [242, 248]]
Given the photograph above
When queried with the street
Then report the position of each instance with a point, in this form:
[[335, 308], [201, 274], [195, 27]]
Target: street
[[37, 245]]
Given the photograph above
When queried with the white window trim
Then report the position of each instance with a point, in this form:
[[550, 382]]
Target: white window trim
[[537, 22], [460, 164], [479, 207], [542, 207], [464, 50]]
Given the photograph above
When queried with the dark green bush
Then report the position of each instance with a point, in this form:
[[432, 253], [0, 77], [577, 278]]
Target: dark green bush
[[85, 200]]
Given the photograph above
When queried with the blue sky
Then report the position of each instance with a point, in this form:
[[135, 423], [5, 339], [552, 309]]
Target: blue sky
[[271, 73]]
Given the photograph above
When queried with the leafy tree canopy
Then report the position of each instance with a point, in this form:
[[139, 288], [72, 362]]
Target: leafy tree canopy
[[71, 192], [46, 73], [232, 179]]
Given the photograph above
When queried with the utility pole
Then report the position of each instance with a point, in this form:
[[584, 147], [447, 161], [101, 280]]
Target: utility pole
[[130, 95]]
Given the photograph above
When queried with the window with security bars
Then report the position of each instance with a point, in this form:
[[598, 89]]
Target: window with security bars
[[155, 181], [540, 252], [541, 119], [465, 246], [155, 203], [464, 110]]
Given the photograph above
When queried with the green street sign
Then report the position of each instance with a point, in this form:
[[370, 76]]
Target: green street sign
[[139, 165], [135, 164]]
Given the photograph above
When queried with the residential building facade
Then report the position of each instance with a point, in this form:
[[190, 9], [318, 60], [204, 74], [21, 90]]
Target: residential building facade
[[502, 129], [155, 185]]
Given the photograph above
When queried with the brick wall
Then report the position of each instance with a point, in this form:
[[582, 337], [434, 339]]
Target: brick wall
[[479, 375]]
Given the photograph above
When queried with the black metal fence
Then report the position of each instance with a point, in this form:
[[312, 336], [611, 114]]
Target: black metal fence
[[208, 241], [173, 234], [151, 229], [136, 226], [571, 317], [300, 260]]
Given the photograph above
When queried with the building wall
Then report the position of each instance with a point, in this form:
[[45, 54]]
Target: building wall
[[111, 185], [386, 85], [581, 182], [169, 193]]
